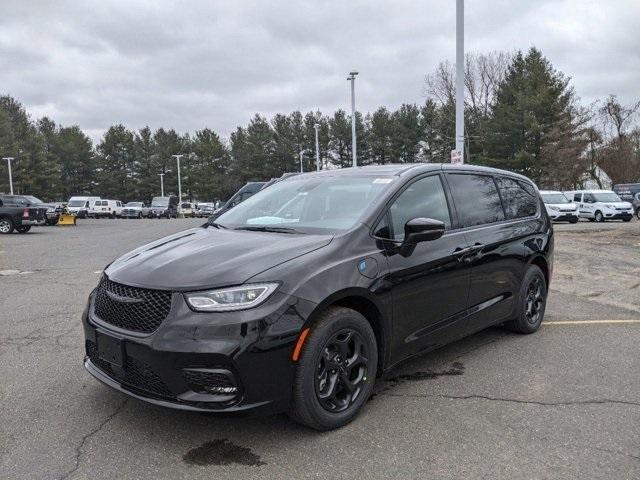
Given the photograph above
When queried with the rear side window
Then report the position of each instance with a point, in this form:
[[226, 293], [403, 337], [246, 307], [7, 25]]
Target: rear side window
[[424, 198], [577, 197], [476, 198], [519, 199]]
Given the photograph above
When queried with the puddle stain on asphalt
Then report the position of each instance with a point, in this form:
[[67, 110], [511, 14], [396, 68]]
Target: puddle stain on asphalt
[[457, 368], [222, 452]]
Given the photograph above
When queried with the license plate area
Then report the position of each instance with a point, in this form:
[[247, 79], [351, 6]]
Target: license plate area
[[110, 349]]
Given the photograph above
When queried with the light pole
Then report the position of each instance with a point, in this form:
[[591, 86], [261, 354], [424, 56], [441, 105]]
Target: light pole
[[178, 157], [460, 79], [317, 127], [352, 78], [161, 175], [8, 159]]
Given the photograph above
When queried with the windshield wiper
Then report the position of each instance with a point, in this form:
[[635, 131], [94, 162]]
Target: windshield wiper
[[266, 228], [216, 225]]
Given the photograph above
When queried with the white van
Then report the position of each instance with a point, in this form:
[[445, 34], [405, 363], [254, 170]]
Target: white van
[[600, 205], [79, 206], [559, 208], [106, 208]]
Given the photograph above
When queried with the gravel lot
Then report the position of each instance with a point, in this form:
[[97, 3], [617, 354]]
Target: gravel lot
[[564, 403]]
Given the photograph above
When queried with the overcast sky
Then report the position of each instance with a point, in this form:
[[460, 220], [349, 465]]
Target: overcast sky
[[189, 65]]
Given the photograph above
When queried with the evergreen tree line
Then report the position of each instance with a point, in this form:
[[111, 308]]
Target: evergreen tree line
[[521, 114]]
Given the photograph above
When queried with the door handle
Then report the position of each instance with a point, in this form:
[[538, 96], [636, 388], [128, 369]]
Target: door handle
[[463, 253]]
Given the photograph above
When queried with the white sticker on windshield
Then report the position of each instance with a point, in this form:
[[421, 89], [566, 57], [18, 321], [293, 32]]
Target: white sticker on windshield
[[383, 180]]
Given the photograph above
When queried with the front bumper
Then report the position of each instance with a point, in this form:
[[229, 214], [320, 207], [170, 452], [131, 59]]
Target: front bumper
[[255, 346], [564, 216], [618, 216]]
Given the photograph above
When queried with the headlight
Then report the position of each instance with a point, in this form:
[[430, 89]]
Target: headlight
[[51, 210], [229, 299], [613, 207], [555, 209]]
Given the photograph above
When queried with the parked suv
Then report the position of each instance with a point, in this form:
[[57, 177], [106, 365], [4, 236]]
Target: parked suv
[[299, 297], [601, 205], [559, 208]]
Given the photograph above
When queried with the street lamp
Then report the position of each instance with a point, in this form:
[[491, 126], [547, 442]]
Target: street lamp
[[352, 78], [317, 127], [8, 159], [460, 80], [161, 175], [178, 157]]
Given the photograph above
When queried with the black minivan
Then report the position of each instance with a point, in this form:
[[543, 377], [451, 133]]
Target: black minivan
[[299, 297]]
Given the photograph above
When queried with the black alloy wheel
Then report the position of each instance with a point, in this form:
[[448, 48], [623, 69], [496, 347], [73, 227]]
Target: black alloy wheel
[[341, 371], [532, 302], [336, 369]]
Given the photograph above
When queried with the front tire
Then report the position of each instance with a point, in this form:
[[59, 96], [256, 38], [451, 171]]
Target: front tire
[[598, 216], [336, 371], [573, 220], [532, 301]]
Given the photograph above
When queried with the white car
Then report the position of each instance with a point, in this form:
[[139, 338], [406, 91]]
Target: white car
[[106, 208], [80, 206], [559, 208], [600, 205]]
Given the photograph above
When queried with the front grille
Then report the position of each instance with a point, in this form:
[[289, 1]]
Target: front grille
[[131, 308], [135, 375]]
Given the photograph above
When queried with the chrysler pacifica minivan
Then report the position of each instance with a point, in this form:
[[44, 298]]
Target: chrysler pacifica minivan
[[299, 297]]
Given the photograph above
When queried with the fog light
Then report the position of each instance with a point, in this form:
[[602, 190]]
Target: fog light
[[213, 381]]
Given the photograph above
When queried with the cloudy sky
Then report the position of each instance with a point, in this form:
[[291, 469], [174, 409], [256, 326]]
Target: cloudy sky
[[190, 64]]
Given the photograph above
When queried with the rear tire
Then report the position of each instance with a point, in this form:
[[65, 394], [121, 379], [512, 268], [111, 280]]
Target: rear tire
[[23, 228], [532, 301], [638, 214], [6, 225], [336, 371]]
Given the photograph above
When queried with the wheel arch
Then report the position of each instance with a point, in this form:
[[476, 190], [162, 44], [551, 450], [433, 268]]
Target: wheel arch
[[542, 263], [361, 300]]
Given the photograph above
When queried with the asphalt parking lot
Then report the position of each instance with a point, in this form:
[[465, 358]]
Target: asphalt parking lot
[[563, 403]]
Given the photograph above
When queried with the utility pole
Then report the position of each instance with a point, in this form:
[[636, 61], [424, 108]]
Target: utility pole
[[460, 80], [178, 157], [161, 175], [352, 78], [8, 159], [317, 127]]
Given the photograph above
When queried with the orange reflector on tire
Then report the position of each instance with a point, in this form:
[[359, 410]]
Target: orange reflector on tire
[[299, 343]]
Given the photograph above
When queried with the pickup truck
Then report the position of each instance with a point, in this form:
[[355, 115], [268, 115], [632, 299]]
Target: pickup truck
[[17, 214]]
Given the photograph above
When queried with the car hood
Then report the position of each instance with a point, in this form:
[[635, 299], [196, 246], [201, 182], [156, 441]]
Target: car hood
[[209, 257], [619, 204]]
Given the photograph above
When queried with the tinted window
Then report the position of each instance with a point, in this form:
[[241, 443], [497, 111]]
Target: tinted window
[[519, 198], [577, 197], [424, 198], [477, 200]]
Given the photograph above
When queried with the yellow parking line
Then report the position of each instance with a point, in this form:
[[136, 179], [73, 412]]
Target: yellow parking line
[[588, 322]]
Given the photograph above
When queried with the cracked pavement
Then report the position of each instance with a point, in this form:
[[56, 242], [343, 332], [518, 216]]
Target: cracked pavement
[[563, 403]]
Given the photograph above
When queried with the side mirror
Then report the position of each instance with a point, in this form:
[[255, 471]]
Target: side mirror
[[419, 230]]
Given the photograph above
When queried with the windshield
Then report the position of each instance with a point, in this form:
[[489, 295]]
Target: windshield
[[77, 203], [134, 204], [554, 198], [309, 204], [606, 197], [32, 199], [160, 202]]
